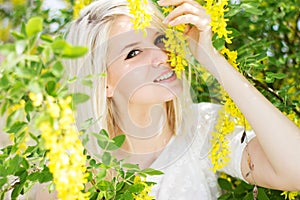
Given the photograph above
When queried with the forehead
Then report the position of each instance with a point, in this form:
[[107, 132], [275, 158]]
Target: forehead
[[122, 24]]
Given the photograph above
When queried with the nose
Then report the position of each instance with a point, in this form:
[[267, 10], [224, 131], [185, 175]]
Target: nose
[[159, 57]]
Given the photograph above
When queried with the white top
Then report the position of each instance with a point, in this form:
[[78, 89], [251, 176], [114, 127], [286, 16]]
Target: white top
[[185, 163]]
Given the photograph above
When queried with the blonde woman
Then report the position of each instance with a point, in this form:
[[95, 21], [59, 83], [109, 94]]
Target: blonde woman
[[135, 92]]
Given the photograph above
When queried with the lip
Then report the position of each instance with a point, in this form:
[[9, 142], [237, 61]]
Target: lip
[[166, 80]]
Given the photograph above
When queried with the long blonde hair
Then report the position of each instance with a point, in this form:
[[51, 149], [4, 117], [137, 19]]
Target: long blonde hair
[[92, 30]]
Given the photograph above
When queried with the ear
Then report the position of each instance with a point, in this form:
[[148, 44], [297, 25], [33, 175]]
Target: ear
[[109, 91]]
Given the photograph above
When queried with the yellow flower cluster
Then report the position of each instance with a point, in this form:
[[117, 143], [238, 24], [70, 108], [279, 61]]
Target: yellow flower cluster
[[4, 31], [292, 116], [141, 15], [144, 194], [22, 143], [289, 195], [78, 5], [220, 144], [216, 9], [65, 150], [175, 45], [230, 115], [18, 2]]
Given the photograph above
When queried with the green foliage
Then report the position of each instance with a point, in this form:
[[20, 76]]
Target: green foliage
[[122, 184], [33, 64]]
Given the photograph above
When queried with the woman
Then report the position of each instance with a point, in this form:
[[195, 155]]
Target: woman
[[135, 92]]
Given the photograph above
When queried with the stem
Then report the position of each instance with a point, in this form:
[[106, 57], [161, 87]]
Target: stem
[[271, 91]]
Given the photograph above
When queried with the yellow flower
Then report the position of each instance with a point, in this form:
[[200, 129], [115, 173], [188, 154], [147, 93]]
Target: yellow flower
[[216, 9], [176, 44], [37, 99], [65, 150], [141, 16], [18, 2], [289, 195], [143, 195], [79, 5]]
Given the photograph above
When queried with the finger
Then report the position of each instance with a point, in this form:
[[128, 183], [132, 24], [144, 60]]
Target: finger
[[177, 2], [201, 22], [183, 9], [180, 2]]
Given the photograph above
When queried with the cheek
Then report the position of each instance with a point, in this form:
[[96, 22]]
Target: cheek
[[126, 82]]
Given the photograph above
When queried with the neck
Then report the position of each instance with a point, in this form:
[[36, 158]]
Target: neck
[[145, 126]]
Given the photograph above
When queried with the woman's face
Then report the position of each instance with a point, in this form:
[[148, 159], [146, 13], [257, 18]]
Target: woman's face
[[137, 65]]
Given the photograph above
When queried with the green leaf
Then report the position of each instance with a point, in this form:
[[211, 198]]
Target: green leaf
[[13, 165], [119, 140], [225, 196], [17, 190], [136, 188], [3, 181], [34, 26], [17, 35], [106, 158], [50, 87], [225, 184], [17, 127], [59, 45], [101, 175], [66, 50], [131, 166], [262, 194], [87, 82], [151, 172], [74, 51], [120, 185], [46, 38], [249, 196], [105, 185], [250, 8], [46, 175], [104, 132], [79, 98], [102, 140], [272, 76], [125, 196], [218, 43], [117, 143], [58, 69]]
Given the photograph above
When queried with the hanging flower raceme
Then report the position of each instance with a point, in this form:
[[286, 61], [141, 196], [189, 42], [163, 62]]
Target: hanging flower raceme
[[65, 150], [141, 15], [229, 115], [175, 45]]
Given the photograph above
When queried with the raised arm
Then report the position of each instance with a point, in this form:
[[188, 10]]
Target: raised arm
[[275, 152]]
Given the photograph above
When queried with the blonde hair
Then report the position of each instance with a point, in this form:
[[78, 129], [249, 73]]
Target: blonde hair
[[92, 30]]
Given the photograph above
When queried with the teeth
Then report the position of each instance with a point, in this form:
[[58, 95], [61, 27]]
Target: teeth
[[164, 77]]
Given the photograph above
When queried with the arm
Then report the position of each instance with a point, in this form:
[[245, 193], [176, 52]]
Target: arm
[[275, 152]]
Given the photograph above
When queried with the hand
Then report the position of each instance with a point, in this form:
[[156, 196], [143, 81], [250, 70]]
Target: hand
[[198, 29]]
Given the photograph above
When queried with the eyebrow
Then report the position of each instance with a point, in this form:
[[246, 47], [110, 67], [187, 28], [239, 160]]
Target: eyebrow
[[129, 45], [136, 43]]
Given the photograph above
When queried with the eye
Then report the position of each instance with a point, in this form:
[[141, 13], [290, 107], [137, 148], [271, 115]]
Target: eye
[[132, 53], [160, 41]]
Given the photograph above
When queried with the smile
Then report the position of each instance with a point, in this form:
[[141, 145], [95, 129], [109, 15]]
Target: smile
[[165, 76]]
